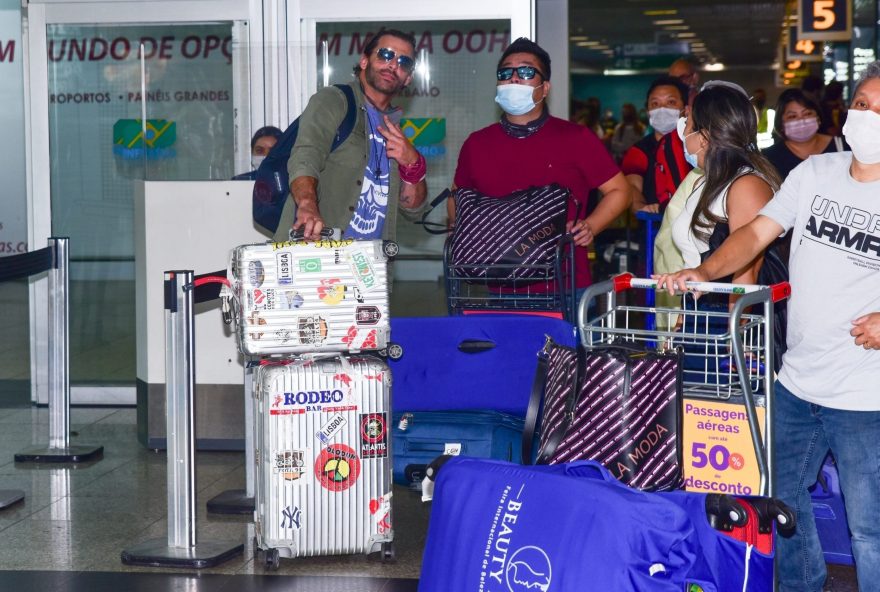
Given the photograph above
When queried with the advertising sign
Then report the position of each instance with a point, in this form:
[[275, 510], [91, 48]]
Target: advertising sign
[[13, 206], [718, 453]]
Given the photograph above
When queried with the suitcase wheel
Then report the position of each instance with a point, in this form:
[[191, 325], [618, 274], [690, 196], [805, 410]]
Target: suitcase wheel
[[272, 559], [389, 554], [390, 248], [395, 351]]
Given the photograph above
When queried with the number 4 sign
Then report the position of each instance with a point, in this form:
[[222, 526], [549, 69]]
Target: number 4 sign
[[804, 50], [825, 20]]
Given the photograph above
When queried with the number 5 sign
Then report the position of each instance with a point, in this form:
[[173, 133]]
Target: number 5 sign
[[825, 20]]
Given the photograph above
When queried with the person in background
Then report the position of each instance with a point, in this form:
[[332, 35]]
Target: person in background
[[826, 392], [685, 69], [629, 131], [531, 148], [796, 127], [833, 109], [589, 117], [655, 165], [813, 87], [262, 142], [759, 100]]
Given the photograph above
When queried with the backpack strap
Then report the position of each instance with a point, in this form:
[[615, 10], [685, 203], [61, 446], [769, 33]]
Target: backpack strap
[[671, 161], [838, 143], [345, 128]]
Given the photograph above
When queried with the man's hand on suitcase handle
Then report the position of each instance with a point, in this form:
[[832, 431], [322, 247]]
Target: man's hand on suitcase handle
[[304, 192]]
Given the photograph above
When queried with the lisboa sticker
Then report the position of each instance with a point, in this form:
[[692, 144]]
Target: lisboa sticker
[[337, 467]]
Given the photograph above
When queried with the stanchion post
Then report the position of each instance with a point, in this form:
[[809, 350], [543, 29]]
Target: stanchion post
[[59, 450], [241, 501], [180, 549]]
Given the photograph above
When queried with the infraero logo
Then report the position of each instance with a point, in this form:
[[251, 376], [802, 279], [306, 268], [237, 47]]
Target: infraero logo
[[426, 134], [132, 140], [528, 570]]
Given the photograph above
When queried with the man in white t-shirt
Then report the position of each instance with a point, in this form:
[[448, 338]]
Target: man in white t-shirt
[[827, 393]]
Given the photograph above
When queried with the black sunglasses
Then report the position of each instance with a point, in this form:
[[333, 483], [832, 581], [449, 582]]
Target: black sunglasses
[[405, 62], [524, 73]]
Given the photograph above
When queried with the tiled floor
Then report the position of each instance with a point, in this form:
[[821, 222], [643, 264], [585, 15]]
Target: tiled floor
[[76, 520]]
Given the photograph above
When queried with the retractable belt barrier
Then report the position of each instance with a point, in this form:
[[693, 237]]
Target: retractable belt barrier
[[206, 287], [55, 259], [181, 549]]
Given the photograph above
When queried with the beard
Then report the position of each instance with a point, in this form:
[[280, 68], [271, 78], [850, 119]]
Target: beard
[[376, 79]]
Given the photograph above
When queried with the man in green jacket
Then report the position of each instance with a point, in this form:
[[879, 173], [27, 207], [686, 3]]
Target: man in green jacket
[[360, 186]]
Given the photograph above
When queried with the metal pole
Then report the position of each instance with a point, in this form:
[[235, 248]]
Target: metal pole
[[179, 549], [59, 346], [180, 413], [59, 449]]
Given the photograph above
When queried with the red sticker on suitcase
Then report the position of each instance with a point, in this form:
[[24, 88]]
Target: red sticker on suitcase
[[337, 467], [374, 435]]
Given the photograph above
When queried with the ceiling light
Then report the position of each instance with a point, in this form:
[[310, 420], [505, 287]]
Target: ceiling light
[[676, 28], [587, 43], [686, 35], [662, 12], [578, 38], [621, 72], [716, 67], [669, 22]]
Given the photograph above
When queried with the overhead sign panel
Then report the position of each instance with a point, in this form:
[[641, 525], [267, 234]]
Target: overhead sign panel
[[825, 20], [805, 50]]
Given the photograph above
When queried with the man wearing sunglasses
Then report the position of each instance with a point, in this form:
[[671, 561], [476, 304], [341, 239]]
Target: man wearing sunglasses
[[530, 148], [360, 186]]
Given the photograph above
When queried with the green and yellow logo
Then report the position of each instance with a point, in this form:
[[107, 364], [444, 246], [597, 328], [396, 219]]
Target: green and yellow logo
[[424, 131], [131, 139]]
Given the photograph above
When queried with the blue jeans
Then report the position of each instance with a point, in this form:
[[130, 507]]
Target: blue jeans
[[804, 433]]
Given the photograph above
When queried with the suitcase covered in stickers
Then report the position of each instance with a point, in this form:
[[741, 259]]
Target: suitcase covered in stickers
[[323, 470], [311, 296]]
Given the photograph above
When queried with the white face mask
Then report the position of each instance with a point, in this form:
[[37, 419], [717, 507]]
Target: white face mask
[[862, 133], [515, 99], [663, 119], [257, 160]]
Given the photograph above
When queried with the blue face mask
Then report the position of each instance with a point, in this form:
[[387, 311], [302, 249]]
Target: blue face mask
[[515, 99], [690, 158]]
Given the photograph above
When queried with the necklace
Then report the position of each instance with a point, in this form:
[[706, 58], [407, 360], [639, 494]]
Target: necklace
[[378, 151]]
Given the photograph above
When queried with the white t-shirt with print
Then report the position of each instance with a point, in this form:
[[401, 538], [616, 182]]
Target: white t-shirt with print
[[835, 278]]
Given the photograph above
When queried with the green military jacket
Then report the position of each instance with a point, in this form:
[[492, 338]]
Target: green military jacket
[[340, 173]]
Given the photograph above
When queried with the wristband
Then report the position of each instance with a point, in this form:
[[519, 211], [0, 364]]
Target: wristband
[[414, 173]]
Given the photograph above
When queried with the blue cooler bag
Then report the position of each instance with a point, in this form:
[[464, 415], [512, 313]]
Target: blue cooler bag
[[418, 438], [500, 527]]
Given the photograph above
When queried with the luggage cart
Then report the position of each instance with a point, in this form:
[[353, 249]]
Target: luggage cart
[[735, 364], [545, 289]]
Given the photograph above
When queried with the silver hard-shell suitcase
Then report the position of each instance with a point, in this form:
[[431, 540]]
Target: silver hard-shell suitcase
[[311, 296], [323, 471]]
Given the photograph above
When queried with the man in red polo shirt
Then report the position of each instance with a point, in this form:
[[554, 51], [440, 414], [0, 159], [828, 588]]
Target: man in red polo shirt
[[529, 148]]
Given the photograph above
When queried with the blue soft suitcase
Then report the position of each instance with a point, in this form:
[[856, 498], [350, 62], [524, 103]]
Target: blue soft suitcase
[[499, 526], [470, 362], [419, 437], [830, 514]]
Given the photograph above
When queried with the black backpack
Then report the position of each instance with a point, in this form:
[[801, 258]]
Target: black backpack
[[272, 184]]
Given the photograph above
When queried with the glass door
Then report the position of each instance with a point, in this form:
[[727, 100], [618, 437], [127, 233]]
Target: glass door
[[107, 67]]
